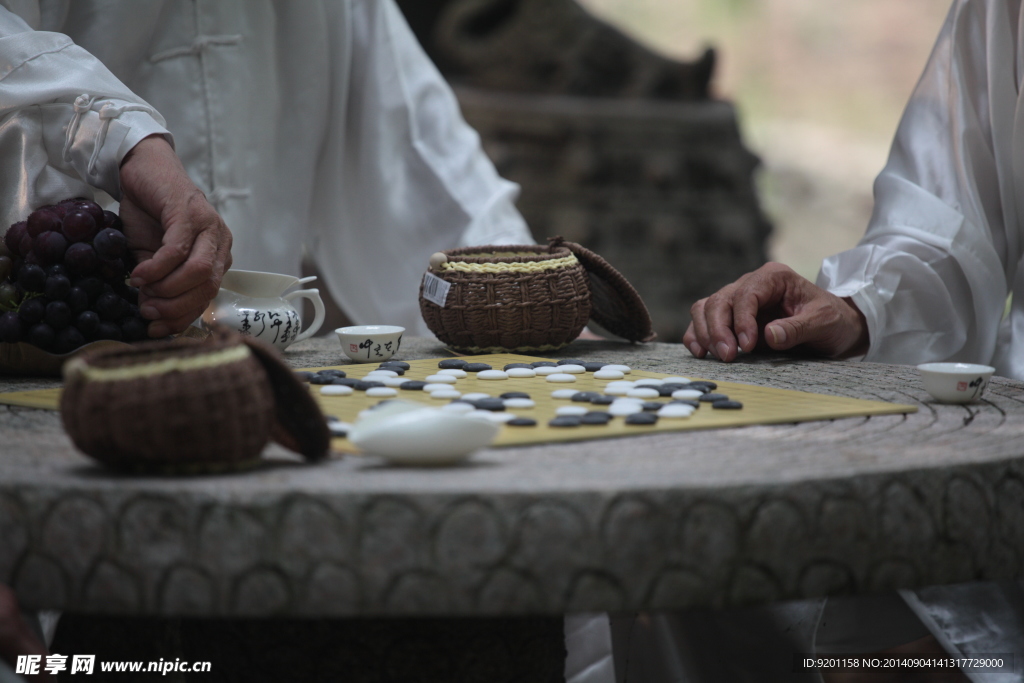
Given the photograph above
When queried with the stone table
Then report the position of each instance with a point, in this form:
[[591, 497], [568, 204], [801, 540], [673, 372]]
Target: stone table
[[669, 520]]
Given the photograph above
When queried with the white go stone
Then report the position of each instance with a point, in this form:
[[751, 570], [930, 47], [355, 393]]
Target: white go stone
[[335, 390], [499, 416], [643, 392], [521, 372], [561, 377], [621, 409], [572, 410], [454, 372], [339, 429], [675, 410], [519, 403], [624, 369], [381, 392], [475, 396], [480, 414], [492, 374], [572, 369], [608, 374], [445, 393], [394, 381], [648, 381], [435, 386], [564, 393], [687, 394], [618, 390], [441, 379], [458, 407], [547, 370], [676, 379], [372, 374]]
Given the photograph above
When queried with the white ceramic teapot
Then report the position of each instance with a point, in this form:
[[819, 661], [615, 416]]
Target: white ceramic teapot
[[255, 304]]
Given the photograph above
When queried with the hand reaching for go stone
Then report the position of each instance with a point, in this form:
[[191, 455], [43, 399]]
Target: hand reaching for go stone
[[780, 309], [182, 245]]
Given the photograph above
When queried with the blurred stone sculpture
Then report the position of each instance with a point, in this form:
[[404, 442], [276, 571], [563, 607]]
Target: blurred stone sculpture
[[616, 147], [549, 46]]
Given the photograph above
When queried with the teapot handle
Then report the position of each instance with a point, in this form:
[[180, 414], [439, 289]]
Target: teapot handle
[[318, 310]]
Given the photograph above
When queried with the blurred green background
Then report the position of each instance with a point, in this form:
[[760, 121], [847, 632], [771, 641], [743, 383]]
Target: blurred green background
[[819, 85]]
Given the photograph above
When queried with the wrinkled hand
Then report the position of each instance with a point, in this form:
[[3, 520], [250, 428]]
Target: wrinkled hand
[[775, 307], [16, 636], [182, 245]]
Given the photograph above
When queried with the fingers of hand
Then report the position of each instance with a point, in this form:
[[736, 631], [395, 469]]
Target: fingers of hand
[[690, 341], [718, 314]]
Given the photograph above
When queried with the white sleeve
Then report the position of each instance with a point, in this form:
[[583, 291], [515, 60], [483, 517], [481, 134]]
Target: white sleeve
[[932, 272], [414, 179], [65, 121]]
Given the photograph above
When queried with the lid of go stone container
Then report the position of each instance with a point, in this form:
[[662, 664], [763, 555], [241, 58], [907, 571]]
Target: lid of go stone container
[[299, 425], [615, 304]]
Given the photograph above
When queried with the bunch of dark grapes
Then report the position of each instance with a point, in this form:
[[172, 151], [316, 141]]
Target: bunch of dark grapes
[[63, 279]]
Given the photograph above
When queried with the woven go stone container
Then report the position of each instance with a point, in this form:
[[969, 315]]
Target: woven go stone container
[[527, 298], [502, 298], [177, 405]]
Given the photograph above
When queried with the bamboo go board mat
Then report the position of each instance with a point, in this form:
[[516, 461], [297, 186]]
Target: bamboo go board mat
[[761, 405]]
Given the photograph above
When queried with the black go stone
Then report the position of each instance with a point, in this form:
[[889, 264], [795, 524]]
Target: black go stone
[[585, 396], [337, 430], [452, 364], [711, 386], [320, 379], [593, 367], [522, 422], [566, 421], [727, 405], [304, 376], [412, 385], [711, 398], [332, 418], [493, 404], [686, 402], [652, 405], [363, 385], [395, 364], [641, 419], [476, 367], [515, 394], [331, 373], [667, 389], [517, 365], [596, 417], [345, 381], [603, 400], [543, 364], [571, 361]]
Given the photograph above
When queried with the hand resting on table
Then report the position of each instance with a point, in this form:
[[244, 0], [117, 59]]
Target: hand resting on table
[[777, 308]]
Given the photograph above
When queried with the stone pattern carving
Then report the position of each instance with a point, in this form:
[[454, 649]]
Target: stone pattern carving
[[666, 521]]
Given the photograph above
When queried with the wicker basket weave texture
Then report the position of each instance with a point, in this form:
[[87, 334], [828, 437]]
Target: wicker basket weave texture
[[533, 300], [216, 413]]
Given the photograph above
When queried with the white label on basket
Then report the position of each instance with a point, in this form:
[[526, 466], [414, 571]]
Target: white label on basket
[[435, 289]]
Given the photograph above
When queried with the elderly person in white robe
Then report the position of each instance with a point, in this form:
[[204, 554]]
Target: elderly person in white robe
[[930, 279], [315, 126]]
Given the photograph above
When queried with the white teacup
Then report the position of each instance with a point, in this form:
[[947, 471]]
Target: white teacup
[[255, 304], [955, 382], [370, 343]]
